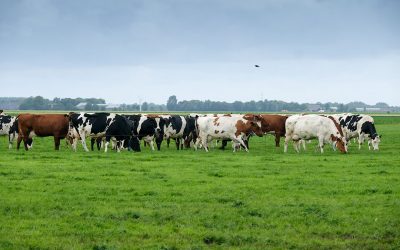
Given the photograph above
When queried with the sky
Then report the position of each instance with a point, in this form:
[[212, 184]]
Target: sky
[[131, 51]]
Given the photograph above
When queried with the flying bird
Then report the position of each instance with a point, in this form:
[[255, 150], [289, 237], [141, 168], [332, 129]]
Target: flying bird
[[256, 65]]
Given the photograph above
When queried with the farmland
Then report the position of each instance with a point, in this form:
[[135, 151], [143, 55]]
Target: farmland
[[197, 200]]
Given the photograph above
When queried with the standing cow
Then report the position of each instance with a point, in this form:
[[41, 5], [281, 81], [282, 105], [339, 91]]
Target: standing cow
[[274, 124], [179, 128], [233, 127], [307, 127], [148, 128], [9, 127], [361, 127], [30, 125], [97, 125]]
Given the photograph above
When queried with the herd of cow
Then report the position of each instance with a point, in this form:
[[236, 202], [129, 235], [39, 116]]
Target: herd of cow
[[196, 130]]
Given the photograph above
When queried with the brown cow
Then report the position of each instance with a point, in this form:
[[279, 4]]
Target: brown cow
[[276, 124], [30, 125]]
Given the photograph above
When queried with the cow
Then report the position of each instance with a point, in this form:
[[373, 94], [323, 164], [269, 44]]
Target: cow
[[97, 125], [233, 127], [179, 128], [8, 127], [274, 124], [359, 126], [148, 128], [306, 127], [42, 125]]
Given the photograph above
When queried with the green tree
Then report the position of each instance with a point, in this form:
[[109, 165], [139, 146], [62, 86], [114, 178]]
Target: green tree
[[172, 103]]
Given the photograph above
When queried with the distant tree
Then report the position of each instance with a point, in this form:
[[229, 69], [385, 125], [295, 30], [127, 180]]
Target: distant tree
[[381, 105], [35, 103], [145, 106], [172, 103]]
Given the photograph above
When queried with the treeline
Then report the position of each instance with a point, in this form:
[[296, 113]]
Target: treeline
[[98, 104], [40, 103], [88, 104], [273, 106]]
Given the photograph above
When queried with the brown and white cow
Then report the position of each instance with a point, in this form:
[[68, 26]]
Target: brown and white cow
[[307, 127], [274, 124], [233, 127], [30, 125]]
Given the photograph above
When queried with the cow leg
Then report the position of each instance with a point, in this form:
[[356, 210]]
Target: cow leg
[[303, 142], [196, 144], [277, 139], [177, 142], [296, 146], [108, 138], [360, 140], [57, 142], [19, 141], [92, 140], [321, 144], [287, 139], [83, 141], [168, 141], [11, 138], [26, 140], [204, 142], [74, 143]]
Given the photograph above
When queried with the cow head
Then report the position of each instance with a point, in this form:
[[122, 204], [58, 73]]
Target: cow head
[[256, 128], [340, 143], [375, 140], [134, 144]]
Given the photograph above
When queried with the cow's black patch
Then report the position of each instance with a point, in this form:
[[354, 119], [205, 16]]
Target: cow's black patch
[[369, 129], [350, 122], [4, 119]]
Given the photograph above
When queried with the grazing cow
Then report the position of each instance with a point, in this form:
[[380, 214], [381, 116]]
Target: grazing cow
[[233, 127], [361, 127], [274, 124], [148, 128], [30, 125], [97, 125], [306, 127]]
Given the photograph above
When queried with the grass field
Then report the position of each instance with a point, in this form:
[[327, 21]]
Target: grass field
[[264, 199]]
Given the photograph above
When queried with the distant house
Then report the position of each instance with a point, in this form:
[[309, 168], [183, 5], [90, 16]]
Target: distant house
[[373, 109], [333, 109], [111, 106], [81, 106], [314, 107]]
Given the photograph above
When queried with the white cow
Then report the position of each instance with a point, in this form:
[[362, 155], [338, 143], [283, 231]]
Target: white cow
[[234, 127], [306, 127]]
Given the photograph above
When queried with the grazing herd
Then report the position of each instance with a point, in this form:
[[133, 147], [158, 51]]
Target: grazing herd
[[193, 130]]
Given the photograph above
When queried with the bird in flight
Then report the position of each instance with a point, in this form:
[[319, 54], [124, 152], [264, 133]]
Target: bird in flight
[[256, 65]]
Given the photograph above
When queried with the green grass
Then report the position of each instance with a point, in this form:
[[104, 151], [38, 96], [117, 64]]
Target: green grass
[[196, 200]]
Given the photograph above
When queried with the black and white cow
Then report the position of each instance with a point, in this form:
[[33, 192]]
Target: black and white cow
[[359, 126], [9, 127], [180, 128], [97, 125], [148, 128]]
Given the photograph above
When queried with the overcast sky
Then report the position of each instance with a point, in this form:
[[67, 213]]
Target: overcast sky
[[126, 51]]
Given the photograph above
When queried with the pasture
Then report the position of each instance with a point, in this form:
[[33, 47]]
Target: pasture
[[171, 199]]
